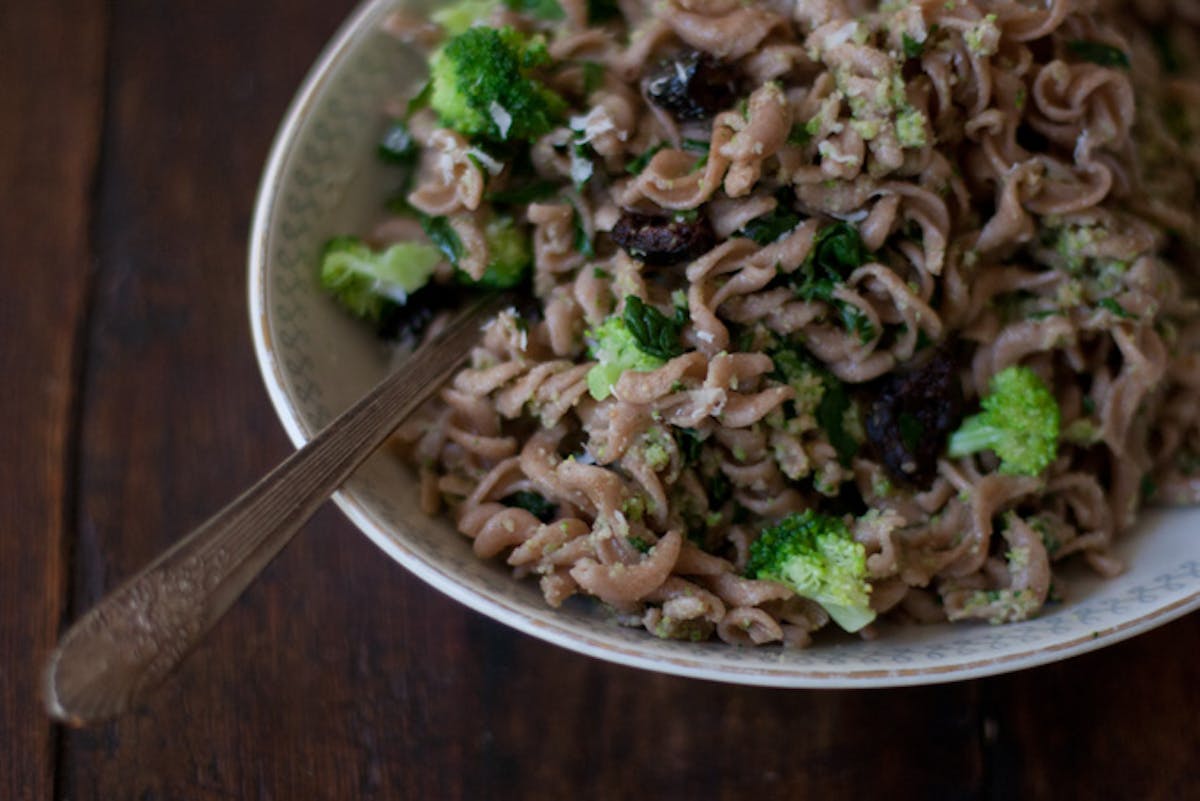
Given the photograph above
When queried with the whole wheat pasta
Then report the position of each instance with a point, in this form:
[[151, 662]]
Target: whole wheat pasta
[[1006, 184]]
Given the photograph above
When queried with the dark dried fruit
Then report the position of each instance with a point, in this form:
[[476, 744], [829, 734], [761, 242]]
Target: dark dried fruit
[[661, 241], [911, 416], [692, 85]]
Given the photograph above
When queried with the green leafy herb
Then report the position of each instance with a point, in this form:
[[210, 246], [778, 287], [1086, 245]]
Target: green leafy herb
[[1111, 305], [533, 503], [396, 146], [637, 165], [1099, 53], [799, 135], [718, 489], [522, 193], [442, 234], [583, 242], [695, 145], [640, 545], [857, 323], [654, 333], [912, 48], [831, 416], [690, 443], [420, 100], [769, 227], [837, 251]]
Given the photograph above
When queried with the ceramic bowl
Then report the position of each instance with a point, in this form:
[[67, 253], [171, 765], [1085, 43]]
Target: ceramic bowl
[[323, 179]]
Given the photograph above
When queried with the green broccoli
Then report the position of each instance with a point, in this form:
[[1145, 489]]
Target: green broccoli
[[615, 349], [368, 282], [509, 254], [1019, 421], [482, 86], [815, 557], [642, 338]]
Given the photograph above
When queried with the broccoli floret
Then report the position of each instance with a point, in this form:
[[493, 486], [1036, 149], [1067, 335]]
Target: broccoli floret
[[615, 350], [509, 254], [482, 86], [367, 282], [1019, 421], [815, 557]]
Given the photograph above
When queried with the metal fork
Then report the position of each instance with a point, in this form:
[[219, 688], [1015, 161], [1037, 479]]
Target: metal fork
[[128, 643]]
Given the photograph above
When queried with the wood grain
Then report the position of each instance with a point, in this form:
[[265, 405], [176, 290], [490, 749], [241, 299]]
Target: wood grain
[[50, 111], [340, 676]]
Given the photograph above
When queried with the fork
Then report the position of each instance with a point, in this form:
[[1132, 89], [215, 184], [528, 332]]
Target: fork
[[136, 635]]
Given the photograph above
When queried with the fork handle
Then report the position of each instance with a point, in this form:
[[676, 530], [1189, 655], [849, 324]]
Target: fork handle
[[112, 656]]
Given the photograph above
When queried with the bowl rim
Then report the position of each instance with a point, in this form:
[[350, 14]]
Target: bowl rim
[[358, 25]]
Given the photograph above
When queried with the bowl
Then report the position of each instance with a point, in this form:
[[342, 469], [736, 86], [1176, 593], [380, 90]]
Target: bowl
[[323, 179]]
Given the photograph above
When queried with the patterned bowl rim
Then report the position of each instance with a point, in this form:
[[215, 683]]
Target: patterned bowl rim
[[505, 609]]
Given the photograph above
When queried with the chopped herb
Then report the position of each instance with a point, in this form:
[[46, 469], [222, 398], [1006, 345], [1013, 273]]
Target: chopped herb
[[856, 322], [769, 227], [533, 503], [695, 145], [912, 48], [548, 10], [690, 444], [637, 165], [1099, 53], [655, 334], [396, 146], [1089, 405], [831, 414], [640, 545], [442, 234], [718, 489], [1111, 305], [598, 273], [583, 242], [837, 250], [799, 135], [420, 100], [686, 215], [523, 193], [700, 164]]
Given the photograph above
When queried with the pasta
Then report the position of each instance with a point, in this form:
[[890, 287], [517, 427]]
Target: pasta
[[906, 199]]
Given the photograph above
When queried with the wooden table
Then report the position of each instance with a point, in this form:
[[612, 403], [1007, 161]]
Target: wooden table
[[132, 135]]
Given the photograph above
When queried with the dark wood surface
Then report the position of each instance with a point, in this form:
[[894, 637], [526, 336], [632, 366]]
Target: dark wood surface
[[132, 135]]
